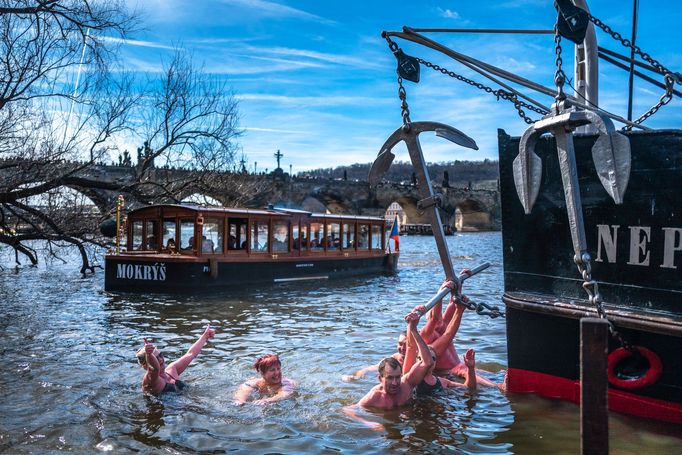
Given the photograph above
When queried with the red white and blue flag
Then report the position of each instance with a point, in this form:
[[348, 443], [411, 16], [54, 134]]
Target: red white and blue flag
[[395, 235]]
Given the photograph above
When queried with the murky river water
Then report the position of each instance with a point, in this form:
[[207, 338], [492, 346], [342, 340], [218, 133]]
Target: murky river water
[[69, 380]]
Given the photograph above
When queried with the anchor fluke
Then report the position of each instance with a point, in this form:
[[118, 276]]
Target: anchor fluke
[[611, 156], [380, 166], [527, 168], [456, 136]]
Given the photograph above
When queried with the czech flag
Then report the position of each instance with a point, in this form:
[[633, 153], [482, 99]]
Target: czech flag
[[395, 235]]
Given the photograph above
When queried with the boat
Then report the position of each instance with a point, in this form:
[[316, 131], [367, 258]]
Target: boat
[[591, 222], [169, 248]]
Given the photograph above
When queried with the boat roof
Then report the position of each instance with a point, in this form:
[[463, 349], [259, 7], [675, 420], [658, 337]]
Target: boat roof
[[270, 211]]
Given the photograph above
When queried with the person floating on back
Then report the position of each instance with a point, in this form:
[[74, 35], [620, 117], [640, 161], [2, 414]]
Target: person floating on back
[[158, 377], [271, 386]]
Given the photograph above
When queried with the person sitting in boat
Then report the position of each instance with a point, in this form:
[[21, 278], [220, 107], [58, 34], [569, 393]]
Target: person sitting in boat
[[395, 388], [231, 242], [190, 244], [170, 245], [206, 245], [271, 386], [439, 332], [158, 377]]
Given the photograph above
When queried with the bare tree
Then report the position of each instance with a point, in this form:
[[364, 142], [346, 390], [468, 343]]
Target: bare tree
[[55, 126]]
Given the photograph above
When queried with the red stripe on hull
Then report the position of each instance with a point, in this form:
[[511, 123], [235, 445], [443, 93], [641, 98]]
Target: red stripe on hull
[[524, 381]]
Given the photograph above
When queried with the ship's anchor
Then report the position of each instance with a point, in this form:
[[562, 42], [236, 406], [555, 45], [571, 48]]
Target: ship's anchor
[[611, 156]]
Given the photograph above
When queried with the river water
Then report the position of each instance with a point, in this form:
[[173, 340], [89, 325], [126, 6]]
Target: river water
[[70, 382]]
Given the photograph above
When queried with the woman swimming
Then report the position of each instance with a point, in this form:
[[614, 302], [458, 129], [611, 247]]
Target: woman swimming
[[271, 384]]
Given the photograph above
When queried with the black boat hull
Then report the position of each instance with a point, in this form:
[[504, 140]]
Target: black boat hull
[[636, 251]]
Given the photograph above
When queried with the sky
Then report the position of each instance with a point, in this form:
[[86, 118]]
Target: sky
[[315, 80]]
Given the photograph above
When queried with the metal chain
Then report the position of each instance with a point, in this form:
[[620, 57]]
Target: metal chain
[[499, 94], [559, 75], [402, 94], [592, 289], [665, 99], [671, 77], [480, 308]]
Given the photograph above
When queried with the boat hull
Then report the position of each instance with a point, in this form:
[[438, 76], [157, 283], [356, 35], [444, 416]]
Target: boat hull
[[165, 273], [636, 251]]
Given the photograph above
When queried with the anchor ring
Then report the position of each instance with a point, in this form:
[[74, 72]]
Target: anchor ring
[[632, 376]]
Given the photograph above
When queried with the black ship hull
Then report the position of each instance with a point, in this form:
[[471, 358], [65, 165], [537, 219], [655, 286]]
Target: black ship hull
[[636, 251]]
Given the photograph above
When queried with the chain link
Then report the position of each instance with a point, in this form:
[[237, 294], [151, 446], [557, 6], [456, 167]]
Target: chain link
[[592, 289], [483, 309], [559, 75], [671, 77], [499, 94], [402, 94]]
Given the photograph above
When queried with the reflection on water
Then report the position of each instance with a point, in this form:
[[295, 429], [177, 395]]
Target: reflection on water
[[70, 381]]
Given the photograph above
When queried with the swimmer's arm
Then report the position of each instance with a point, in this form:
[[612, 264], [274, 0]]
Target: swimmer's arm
[[178, 367], [418, 371], [360, 373], [410, 354], [441, 343], [244, 391], [351, 411], [470, 361], [151, 376], [284, 392]]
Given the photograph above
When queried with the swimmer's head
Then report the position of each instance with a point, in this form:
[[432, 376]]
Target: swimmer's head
[[434, 357], [402, 343], [142, 357], [390, 372], [270, 368]]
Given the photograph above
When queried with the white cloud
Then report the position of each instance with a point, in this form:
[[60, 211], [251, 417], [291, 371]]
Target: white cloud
[[277, 10], [137, 43], [448, 13]]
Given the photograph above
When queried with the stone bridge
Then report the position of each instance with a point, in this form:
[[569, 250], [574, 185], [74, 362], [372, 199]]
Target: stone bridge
[[462, 208]]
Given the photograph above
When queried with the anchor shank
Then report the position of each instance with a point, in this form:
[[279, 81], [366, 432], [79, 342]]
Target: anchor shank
[[426, 191], [569, 176]]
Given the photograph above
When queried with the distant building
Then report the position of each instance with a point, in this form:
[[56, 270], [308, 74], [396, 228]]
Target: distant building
[[395, 210]]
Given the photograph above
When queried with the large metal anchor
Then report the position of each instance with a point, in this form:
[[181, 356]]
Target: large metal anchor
[[430, 201], [610, 153]]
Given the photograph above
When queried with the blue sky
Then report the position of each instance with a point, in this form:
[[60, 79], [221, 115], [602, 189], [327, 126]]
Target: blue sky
[[315, 79]]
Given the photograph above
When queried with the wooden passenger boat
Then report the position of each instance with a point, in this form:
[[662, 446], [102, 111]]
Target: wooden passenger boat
[[192, 248]]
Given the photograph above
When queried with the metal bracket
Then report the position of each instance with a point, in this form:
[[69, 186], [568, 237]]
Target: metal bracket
[[436, 199]]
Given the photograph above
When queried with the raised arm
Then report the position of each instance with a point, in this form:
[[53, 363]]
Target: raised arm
[[178, 367], [419, 370], [151, 375], [435, 316], [471, 381], [410, 353]]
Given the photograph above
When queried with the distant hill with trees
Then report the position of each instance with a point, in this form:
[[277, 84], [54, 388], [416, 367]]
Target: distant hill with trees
[[460, 173]]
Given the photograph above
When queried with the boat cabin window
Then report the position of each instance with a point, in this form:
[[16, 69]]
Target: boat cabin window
[[280, 236], [212, 235], [186, 236], [363, 236], [333, 236], [169, 237], [296, 245], [349, 236], [152, 234], [316, 236], [137, 235], [376, 237], [259, 236], [236, 237]]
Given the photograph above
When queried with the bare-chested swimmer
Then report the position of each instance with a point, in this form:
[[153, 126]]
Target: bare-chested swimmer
[[271, 386], [394, 388]]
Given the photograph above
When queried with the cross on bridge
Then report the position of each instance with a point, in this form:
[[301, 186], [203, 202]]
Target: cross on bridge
[[278, 155]]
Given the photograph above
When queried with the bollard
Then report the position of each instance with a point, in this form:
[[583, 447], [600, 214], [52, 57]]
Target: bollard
[[594, 413]]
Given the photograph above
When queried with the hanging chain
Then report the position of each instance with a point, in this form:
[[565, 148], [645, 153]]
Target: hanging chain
[[499, 94], [559, 75], [592, 289], [671, 77], [483, 309], [402, 94]]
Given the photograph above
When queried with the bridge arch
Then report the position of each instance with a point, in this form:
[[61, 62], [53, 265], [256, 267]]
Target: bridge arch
[[472, 215]]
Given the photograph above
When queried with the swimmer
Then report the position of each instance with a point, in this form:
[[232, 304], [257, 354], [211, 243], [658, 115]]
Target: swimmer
[[160, 378], [439, 332], [394, 388], [271, 384], [399, 355]]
